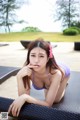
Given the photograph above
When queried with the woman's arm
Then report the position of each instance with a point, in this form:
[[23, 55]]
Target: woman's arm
[[25, 71], [54, 87], [21, 88], [51, 93], [49, 100]]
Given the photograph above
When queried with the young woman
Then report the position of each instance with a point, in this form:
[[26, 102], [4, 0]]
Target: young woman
[[45, 73]]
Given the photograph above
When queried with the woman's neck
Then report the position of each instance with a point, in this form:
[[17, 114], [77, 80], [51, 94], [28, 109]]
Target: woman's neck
[[42, 71]]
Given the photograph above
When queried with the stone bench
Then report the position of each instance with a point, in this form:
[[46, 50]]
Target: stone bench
[[25, 43], [77, 46]]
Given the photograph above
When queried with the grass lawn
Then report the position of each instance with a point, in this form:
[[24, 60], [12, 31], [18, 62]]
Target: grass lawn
[[50, 36]]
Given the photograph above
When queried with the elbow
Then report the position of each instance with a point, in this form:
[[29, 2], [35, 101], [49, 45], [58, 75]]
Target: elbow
[[23, 92], [19, 94], [48, 104]]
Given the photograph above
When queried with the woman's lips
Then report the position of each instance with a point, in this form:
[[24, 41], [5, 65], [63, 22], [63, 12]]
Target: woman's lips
[[37, 65]]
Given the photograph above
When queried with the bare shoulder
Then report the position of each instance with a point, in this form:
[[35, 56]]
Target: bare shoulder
[[56, 74]]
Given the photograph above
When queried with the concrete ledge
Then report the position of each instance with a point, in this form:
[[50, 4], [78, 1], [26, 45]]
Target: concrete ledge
[[25, 43], [77, 46]]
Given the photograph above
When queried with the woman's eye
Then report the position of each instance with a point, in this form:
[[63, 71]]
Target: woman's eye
[[41, 56], [32, 55], [35, 56]]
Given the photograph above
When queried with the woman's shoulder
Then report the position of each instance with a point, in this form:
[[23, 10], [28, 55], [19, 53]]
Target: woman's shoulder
[[55, 75], [56, 71]]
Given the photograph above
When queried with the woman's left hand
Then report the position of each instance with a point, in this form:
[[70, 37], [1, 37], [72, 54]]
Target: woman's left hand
[[15, 107]]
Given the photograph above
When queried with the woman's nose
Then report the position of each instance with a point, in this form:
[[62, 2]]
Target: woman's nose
[[37, 59]]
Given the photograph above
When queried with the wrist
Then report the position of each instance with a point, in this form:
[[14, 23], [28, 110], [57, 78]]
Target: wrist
[[19, 76], [25, 97]]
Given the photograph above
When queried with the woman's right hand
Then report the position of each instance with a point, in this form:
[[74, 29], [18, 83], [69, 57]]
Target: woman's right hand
[[17, 104], [26, 71]]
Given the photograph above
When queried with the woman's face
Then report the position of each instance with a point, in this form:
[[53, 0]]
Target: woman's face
[[38, 57]]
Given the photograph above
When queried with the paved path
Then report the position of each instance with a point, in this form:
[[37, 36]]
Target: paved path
[[14, 55]]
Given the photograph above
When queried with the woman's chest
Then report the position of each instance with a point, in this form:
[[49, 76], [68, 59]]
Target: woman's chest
[[41, 81]]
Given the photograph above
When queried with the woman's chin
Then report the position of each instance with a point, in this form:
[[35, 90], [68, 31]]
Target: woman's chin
[[37, 69]]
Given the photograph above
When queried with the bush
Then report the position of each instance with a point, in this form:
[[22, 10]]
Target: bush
[[70, 31], [76, 28], [31, 29]]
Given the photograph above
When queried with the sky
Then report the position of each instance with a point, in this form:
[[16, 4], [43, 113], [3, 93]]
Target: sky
[[38, 13]]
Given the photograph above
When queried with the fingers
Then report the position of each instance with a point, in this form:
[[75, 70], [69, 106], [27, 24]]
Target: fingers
[[9, 110], [32, 66], [18, 111], [26, 70], [14, 110], [29, 68]]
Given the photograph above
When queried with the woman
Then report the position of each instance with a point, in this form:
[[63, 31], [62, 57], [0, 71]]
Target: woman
[[45, 73]]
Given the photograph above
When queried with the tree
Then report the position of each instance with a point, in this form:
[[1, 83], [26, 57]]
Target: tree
[[75, 24], [67, 11], [8, 13]]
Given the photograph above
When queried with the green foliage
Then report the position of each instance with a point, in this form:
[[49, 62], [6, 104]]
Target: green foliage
[[8, 15], [75, 24], [67, 12], [71, 31], [76, 28], [31, 29]]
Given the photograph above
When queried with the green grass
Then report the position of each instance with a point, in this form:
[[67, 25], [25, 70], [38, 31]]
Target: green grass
[[50, 36]]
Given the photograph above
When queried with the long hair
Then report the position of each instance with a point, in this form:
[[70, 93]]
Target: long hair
[[45, 46]]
